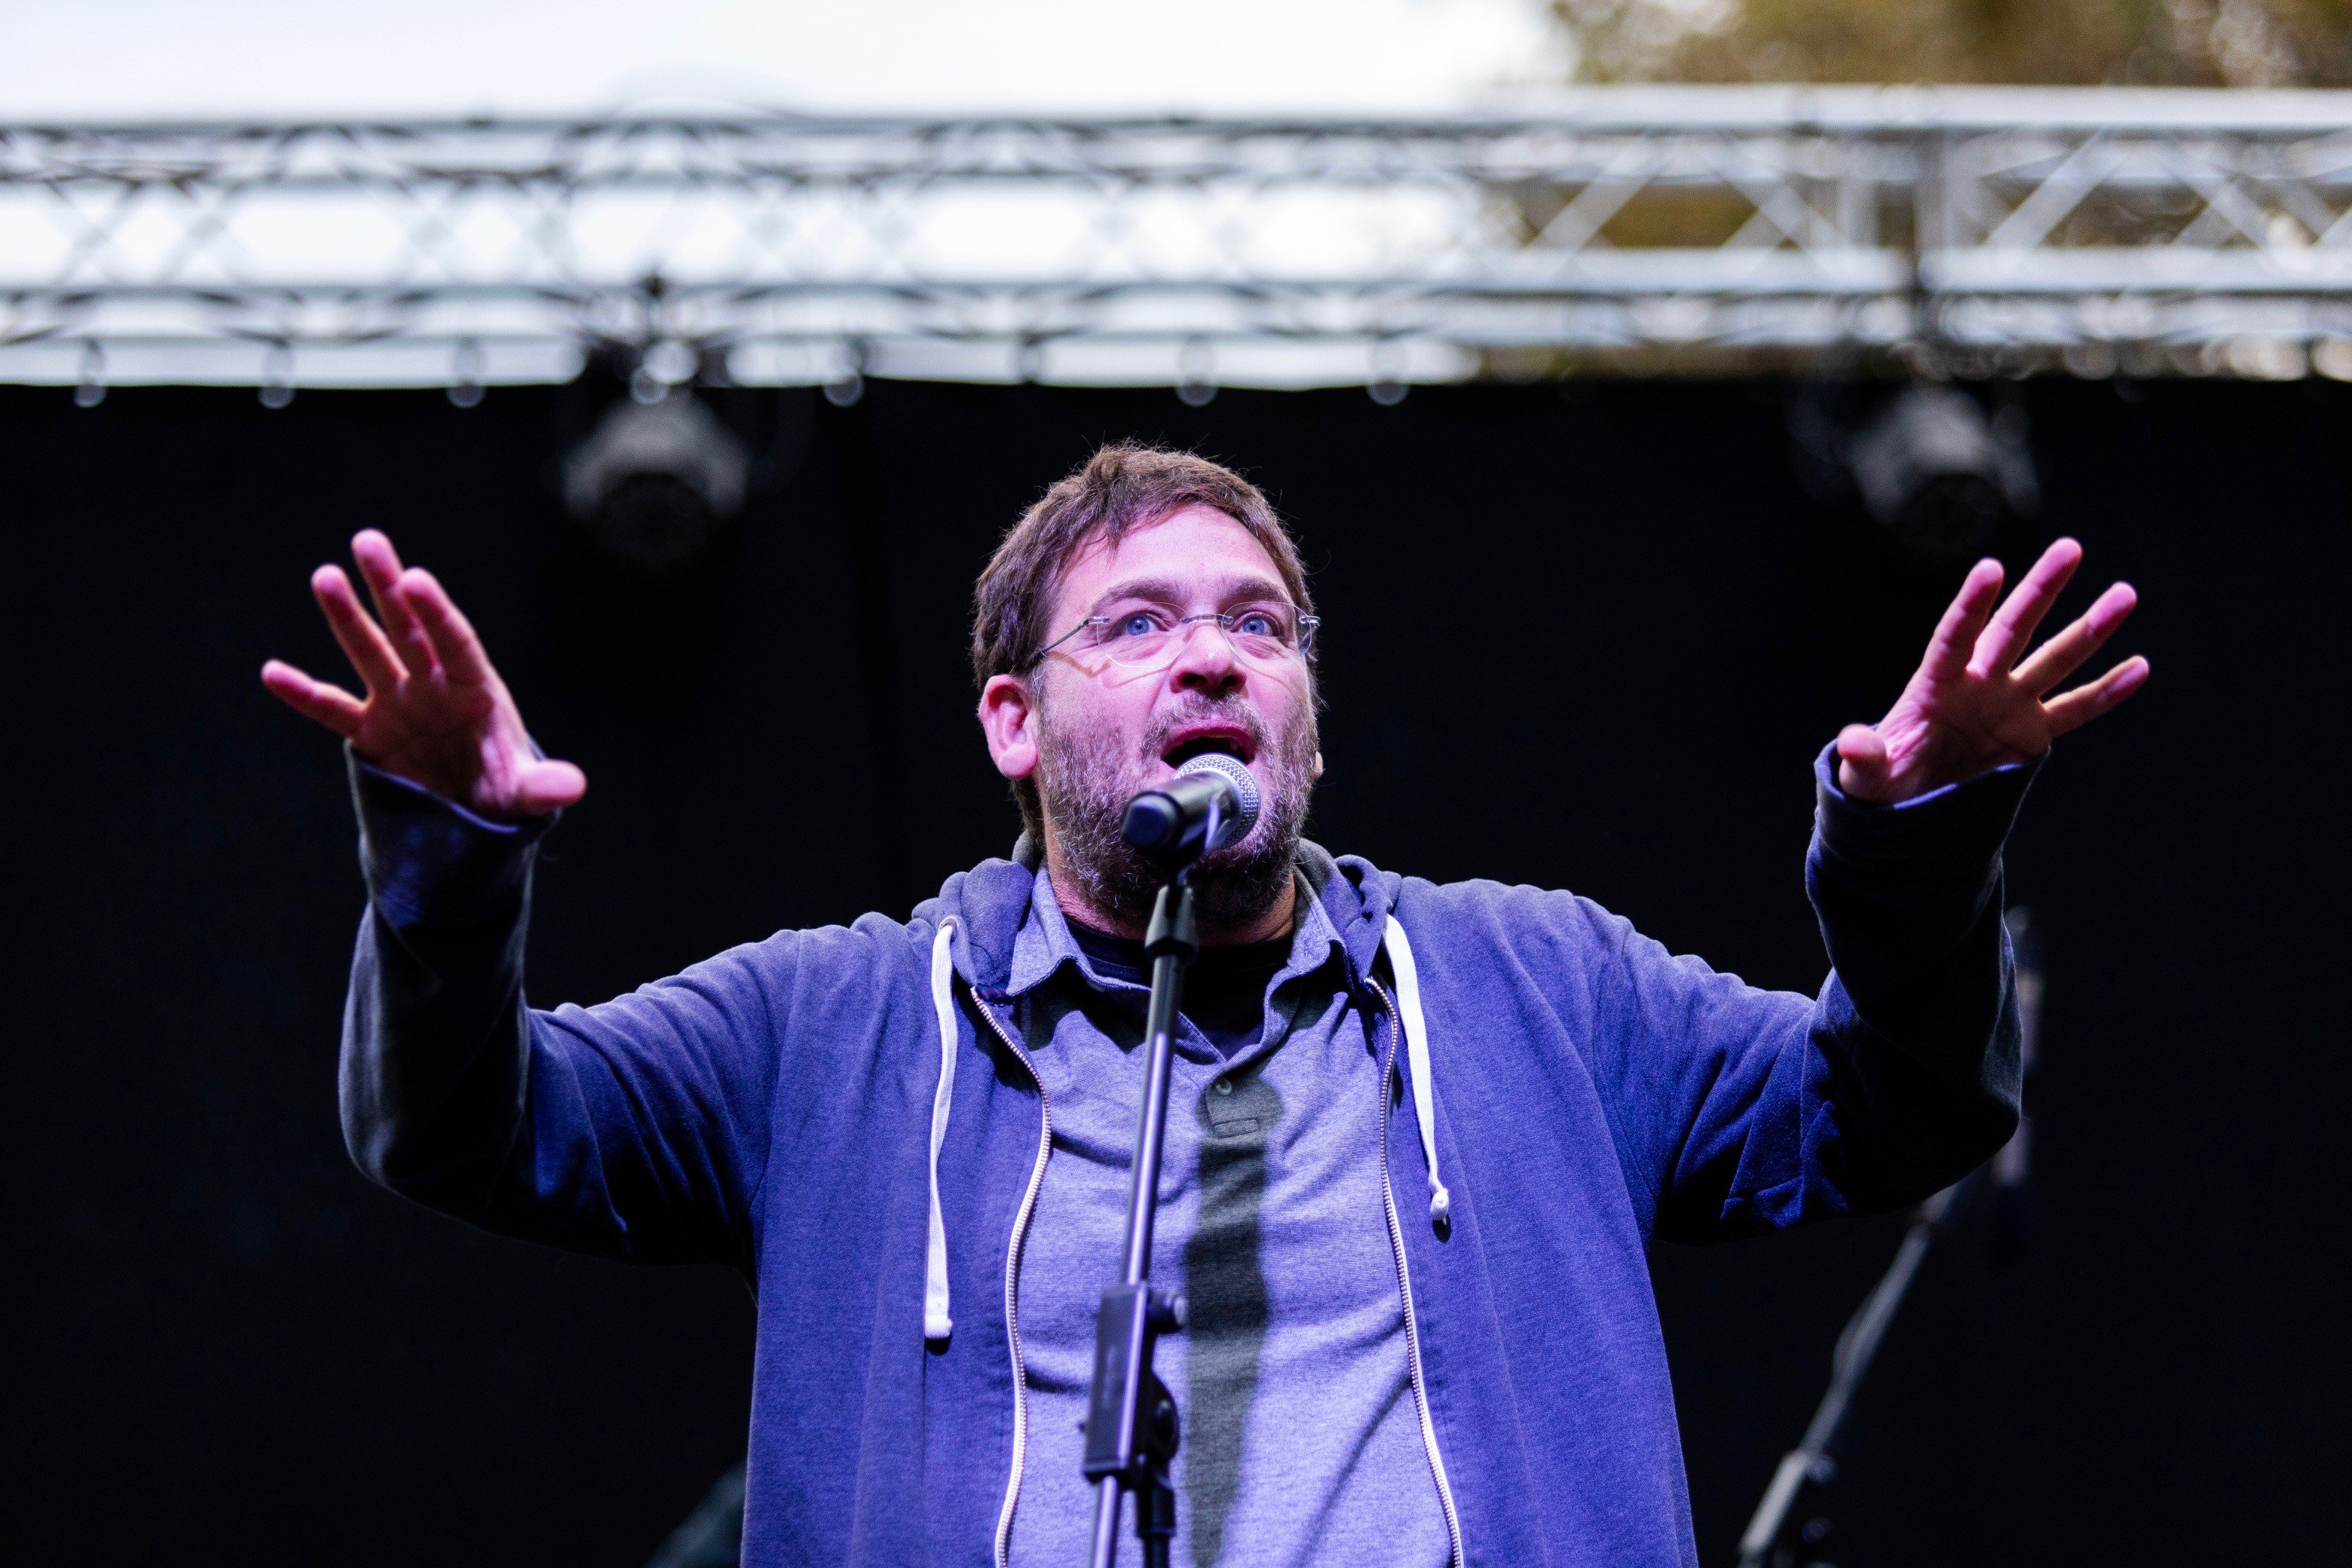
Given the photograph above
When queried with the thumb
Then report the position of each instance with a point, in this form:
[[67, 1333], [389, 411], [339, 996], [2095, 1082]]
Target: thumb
[[544, 786], [1862, 769]]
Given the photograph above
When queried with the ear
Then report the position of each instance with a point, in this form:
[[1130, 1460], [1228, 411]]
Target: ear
[[1008, 718]]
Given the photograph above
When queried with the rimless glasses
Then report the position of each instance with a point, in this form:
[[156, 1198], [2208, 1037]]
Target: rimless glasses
[[1268, 634]]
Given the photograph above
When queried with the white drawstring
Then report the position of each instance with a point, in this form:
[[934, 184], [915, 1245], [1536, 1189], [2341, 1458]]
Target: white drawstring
[[937, 1324], [1417, 1060]]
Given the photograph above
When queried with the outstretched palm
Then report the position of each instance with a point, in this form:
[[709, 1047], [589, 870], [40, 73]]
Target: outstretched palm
[[435, 712], [1972, 706]]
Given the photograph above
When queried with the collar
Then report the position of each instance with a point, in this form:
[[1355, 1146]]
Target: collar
[[1045, 944], [986, 908]]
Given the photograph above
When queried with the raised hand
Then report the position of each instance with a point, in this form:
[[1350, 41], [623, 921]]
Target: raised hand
[[1972, 707], [436, 713]]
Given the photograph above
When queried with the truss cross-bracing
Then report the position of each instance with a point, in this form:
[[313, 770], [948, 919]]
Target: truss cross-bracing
[[1661, 228]]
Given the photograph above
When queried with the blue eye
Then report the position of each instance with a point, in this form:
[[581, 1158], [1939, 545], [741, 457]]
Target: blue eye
[[1137, 624], [1257, 624]]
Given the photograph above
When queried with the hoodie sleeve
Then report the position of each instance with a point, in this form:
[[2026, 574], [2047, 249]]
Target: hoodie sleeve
[[1762, 1110], [632, 1130]]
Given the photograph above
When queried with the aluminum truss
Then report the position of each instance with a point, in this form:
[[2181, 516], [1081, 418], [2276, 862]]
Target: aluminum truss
[[1635, 227]]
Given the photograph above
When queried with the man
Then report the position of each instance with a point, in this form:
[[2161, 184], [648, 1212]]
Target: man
[[1422, 1135]]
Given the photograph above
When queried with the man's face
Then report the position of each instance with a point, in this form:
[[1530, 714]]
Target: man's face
[[1096, 732]]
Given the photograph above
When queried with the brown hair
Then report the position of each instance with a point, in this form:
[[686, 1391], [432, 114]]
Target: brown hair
[[1122, 487]]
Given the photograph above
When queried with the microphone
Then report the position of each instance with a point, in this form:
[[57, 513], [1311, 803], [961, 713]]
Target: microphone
[[1213, 802]]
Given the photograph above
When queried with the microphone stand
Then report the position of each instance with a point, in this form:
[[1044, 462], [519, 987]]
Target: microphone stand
[[1774, 1540], [1812, 1463], [1131, 1425]]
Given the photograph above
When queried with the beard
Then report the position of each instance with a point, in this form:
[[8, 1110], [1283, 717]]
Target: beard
[[1084, 780]]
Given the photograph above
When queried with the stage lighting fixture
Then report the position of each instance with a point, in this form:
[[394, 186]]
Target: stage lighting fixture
[[90, 388], [1944, 477], [277, 377], [465, 388], [1386, 387], [848, 383], [1196, 373], [655, 486]]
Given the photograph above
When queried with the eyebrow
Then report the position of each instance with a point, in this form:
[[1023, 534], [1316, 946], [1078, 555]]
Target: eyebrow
[[1169, 590]]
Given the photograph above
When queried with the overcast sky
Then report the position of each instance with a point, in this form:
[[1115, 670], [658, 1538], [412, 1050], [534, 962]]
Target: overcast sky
[[138, 58]]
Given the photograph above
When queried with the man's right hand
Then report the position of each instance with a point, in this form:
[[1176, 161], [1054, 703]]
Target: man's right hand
[[436, 714]]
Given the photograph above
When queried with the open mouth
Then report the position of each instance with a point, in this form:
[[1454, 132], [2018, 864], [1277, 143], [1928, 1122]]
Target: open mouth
[[1233, 743]]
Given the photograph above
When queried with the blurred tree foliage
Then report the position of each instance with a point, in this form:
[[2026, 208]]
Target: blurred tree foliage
[[2174, 43]]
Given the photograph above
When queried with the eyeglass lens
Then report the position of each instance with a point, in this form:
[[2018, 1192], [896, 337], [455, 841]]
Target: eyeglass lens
[[1263, 637]]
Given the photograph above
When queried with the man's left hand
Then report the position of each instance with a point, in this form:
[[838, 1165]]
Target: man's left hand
[[1973, 707]]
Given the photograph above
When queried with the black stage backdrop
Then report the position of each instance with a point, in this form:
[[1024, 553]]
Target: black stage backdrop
[[1587, 636]]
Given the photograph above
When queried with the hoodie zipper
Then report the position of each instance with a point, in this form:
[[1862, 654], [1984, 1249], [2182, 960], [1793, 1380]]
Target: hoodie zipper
[[1404, 1284], [1012, 1279]]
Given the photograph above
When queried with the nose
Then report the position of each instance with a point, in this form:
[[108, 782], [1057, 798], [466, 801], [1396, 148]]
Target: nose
[[1206, 660]]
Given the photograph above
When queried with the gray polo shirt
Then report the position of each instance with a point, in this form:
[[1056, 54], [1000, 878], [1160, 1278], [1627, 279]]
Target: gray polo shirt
[[1301, 1441]]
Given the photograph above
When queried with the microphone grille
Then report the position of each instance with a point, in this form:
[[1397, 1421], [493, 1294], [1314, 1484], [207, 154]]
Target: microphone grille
[[1235, 772]]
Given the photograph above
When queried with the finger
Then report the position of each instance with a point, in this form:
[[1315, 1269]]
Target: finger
[[1863, 772], [329, 705], [460, 651], [2084, 703], [2014, 625], [1956, 634], [2063, 655], [362, 640], [380, 565], [545, 786]]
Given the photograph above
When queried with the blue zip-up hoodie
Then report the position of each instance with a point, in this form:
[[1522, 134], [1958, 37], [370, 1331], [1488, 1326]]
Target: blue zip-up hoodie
[[849, 1117]]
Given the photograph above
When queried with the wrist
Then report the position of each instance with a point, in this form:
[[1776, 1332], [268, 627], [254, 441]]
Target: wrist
[[407, 770]]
